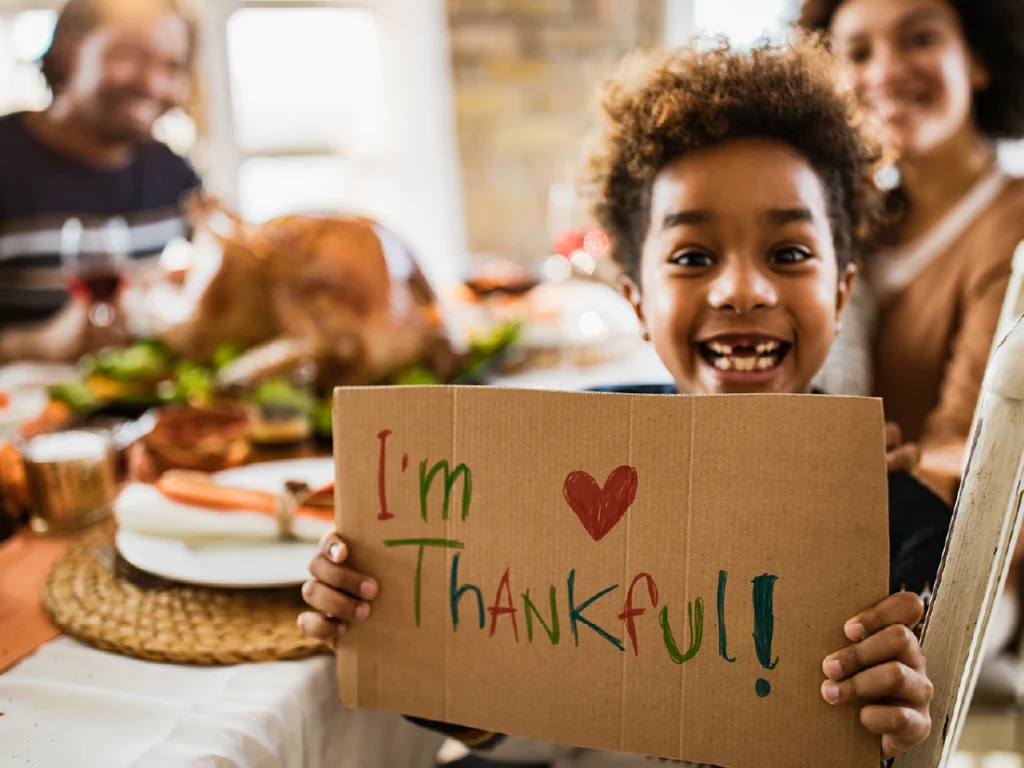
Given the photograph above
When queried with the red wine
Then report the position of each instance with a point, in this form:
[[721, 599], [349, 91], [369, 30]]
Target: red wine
[[101, 285]]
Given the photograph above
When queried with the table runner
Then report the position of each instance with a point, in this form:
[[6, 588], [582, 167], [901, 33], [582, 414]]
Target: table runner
[[25, 561]]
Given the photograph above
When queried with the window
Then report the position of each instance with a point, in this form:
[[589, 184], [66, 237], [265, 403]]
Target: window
[[742, 21], [306, 110], [25, 32], [310, 110]]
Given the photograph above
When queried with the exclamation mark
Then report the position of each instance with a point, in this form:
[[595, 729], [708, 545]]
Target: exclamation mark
[[764, 626]]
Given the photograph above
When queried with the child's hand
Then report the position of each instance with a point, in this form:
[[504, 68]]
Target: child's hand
[[885, 669], [899, 456], [339, 595]]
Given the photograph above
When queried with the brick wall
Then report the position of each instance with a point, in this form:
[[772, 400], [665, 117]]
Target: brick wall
[[525, 74]]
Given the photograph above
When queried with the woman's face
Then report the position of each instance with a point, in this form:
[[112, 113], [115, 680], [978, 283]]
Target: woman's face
[[739, 286], [909, 65]]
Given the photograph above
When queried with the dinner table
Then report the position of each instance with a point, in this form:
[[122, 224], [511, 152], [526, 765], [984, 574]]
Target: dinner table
[[68, 703]]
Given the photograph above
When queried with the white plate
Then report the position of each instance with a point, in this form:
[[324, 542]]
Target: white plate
[[248, 566]]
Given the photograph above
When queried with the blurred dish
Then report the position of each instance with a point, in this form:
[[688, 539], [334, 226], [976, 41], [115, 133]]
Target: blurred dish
[[204, 439], [27, 375], [17, 408], [226, 563]]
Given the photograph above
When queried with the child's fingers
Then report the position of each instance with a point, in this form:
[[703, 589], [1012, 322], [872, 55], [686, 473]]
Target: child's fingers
[[893, 435], [892, 680], [333, 603], [333, 548], [900, 727], [905, 458], [903, 608], [321, 628], [342, 578], [894, 643]]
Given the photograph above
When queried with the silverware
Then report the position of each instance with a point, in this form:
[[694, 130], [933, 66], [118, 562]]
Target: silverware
[[129, 433]]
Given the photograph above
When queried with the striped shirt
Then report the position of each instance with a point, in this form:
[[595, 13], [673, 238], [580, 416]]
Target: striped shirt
[[40, 189]]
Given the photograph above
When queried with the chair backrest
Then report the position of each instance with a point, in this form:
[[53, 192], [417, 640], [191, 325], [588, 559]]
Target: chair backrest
[[1013, 308], [1013, 304], [978, 551]]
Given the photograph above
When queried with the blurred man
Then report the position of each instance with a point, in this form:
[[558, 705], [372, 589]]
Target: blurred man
[[114, 67]]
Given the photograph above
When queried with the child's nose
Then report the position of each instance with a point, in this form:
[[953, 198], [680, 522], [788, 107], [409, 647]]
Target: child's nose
[[742, 289]]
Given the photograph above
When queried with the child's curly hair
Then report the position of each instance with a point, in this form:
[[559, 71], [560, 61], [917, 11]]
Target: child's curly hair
[[659, 106]]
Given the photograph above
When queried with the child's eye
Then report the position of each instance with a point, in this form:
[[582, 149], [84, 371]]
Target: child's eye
[[692, 258], [790, 255]]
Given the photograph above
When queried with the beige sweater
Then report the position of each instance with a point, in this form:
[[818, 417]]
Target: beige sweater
[[933, 338]]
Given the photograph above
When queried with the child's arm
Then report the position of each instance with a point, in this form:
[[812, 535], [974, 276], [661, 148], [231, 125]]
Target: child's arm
[[885, 670], [339, 595]]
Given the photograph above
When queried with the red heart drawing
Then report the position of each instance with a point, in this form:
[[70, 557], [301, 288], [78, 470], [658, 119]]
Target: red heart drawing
[[600, 509]]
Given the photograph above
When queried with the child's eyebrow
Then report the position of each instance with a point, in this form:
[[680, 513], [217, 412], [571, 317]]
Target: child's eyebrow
[[789, 215], [682, 218]]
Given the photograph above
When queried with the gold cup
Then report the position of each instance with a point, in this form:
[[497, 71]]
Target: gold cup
[[71, 480]]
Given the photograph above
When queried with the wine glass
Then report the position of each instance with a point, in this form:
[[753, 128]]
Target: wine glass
[[95, 267]]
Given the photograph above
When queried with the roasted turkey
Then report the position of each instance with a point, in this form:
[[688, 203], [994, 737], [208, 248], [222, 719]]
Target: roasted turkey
[[342, 291]]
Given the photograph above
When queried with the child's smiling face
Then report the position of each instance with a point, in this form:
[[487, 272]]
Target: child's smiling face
[[739, 288]]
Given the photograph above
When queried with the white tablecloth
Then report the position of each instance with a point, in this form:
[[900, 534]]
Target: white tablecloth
[[70, 705]]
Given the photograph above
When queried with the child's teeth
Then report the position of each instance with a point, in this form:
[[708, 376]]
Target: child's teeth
[[745, 363]]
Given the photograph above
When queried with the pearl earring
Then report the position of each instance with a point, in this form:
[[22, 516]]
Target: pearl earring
[[888, 178]]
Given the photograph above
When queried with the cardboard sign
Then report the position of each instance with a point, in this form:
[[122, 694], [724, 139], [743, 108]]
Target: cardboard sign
[[652, 574]]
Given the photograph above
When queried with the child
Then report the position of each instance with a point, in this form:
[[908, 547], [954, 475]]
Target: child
[[736, 194]]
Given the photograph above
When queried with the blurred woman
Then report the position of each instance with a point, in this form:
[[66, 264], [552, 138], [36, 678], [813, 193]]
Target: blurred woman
[[114, 68], [944, 81]]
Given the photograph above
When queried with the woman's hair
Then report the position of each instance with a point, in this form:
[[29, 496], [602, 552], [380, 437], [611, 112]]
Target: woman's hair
[[994, 30], [80, 17], [660, 106]]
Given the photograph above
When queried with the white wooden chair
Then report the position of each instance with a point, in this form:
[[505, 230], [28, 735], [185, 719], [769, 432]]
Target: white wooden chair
[[1000, 727], [1013, 305], [982, 538]]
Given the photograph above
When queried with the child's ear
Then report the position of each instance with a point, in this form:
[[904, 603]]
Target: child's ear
[[846, 281], [631, 292]]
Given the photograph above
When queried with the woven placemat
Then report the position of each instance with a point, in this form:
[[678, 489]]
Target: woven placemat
[[96, 597]]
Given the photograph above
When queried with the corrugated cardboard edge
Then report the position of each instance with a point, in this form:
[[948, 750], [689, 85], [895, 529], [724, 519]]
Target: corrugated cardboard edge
[[345, 655]]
